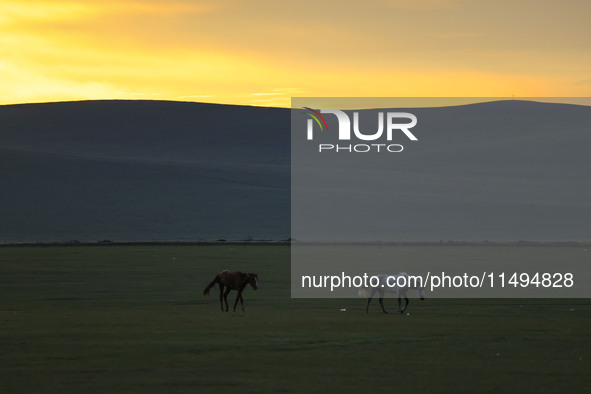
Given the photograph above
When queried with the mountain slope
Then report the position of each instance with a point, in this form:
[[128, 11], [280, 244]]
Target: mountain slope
[[498, 171], [126, 170], [157, 170]]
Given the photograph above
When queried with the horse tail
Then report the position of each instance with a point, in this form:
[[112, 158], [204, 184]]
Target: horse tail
[[212, 284]]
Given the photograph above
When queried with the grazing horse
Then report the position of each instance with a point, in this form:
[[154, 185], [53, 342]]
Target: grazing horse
[[232, 280], [397, 284]]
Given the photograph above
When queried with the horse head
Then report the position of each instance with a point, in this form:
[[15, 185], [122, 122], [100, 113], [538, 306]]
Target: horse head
[[253, 279]]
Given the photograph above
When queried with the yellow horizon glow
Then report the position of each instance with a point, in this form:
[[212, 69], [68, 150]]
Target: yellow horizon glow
[[264, 52]]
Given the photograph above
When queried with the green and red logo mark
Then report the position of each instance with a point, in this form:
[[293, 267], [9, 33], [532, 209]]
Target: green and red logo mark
[[317, 117]]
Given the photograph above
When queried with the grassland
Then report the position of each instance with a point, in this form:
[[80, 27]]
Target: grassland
[[132, 319]]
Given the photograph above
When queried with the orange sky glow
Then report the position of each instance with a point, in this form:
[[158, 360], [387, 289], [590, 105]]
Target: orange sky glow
[[264, 52]]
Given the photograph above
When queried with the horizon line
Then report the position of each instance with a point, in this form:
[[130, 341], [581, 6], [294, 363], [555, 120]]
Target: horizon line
[[341, 102]]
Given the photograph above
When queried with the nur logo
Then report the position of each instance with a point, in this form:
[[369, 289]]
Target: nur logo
[[390, 123]]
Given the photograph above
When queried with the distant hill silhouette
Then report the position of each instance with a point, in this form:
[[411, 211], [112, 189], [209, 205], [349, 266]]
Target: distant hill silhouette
[[143, 170], [497, 171], [157, 170]]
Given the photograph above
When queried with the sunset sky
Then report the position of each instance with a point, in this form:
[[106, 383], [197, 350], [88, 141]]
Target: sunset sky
[[264, 52]]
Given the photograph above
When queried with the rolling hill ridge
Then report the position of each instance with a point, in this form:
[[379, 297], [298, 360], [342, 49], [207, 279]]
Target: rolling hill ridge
[[161, 170]]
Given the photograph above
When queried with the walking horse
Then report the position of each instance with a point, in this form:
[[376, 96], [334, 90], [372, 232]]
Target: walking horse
[[232, 280], [397, 284]]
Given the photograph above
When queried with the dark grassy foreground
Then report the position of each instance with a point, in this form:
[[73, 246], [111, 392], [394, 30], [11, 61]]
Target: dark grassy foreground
[[131, 319]]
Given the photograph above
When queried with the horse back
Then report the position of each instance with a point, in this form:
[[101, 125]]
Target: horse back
[[233, 279]]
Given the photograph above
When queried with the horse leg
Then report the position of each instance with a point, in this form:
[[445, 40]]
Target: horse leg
[[239, 297], [382, 293], [241, 301], [405, 305], [369, 297], [382, 303], [222, 296], [367, 305], [226, 297]]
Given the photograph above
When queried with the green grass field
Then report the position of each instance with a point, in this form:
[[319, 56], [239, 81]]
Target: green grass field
[[132, 319]]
